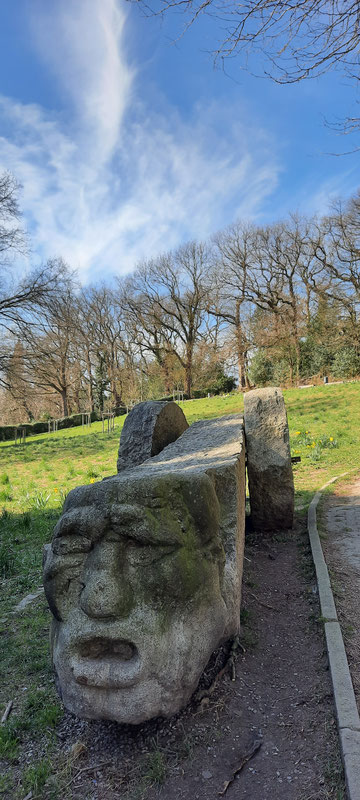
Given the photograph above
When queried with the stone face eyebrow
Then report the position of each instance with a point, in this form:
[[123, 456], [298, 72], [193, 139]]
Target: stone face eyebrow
[[86, 521], [146, 525]]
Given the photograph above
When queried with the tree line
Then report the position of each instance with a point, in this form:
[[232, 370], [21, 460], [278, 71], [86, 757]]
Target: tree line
[[267, 304]]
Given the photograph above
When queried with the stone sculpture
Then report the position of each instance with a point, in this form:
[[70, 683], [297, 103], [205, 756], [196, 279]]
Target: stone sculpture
[[148, 428], [143, 576], [271, 483]]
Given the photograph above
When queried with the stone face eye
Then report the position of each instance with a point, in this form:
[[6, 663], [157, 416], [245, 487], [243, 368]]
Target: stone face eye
[[65, 545], [147, 554]]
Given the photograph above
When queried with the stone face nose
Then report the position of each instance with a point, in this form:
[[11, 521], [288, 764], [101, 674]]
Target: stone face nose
[[105, 597]]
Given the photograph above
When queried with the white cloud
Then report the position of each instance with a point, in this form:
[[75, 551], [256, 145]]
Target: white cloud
[[330, 190], [83, 44], [120, 182]]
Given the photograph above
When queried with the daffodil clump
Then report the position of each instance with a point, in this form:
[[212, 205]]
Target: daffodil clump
[[304, 440]]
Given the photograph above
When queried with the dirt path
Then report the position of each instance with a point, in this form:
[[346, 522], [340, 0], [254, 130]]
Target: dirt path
[[281, 699], [340, 524]]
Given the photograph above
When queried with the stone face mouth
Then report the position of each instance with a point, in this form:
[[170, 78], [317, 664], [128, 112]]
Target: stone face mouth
[[106, 663], [100, 647]]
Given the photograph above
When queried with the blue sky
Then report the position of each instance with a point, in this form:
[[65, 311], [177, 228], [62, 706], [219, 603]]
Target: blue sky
[[128, 144]]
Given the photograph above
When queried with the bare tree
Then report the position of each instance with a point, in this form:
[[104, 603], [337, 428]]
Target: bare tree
[[172, 296], [19, 297], [286, 42], [108, 339], [298, 39], [229, 297], [49, 341], [147, 335], [12, 239]]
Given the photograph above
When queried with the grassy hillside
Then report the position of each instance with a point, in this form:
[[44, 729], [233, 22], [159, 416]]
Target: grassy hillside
[[323, 425], [34, 480]]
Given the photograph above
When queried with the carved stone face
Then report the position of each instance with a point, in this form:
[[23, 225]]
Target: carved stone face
[[133, 578]]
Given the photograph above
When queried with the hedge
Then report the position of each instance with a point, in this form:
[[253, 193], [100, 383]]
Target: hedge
[[7, 432], [169, 397]]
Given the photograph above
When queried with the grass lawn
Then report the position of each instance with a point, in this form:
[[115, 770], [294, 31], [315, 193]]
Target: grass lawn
[[34, 480]]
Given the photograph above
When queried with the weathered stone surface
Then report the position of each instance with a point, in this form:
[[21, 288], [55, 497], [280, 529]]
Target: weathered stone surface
[[271, 483], [143, 576], [148, 428]]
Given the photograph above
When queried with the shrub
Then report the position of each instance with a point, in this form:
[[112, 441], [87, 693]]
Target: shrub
[[7, 432], [169, 397], [261, 371], [281, 372], [346, 363], [223, 385]]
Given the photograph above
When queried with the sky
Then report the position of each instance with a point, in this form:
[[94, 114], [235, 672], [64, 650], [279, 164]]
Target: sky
[[128, 142]]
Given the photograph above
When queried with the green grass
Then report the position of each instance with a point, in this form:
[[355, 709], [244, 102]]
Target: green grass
[[34, 480]]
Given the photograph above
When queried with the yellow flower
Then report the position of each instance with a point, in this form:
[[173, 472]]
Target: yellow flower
[[56, 490], [92, 480], [297, 433], [313, 444], [296, 451], [331, 438], [307, 431]]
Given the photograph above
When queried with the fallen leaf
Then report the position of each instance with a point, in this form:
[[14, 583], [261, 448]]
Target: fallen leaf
[[78, 749]]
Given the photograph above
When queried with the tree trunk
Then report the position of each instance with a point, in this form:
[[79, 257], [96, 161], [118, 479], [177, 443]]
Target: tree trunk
[[90, 384], [188, 368], [64, 400], [291, 372], [167, 381], [243, 376]]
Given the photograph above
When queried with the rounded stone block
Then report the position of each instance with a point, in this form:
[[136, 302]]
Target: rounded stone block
[[148, 428], [271, 483]]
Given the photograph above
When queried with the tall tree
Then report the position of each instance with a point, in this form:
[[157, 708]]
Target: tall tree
[[49, 340], [229, 296], [19, 297], [173, 292]]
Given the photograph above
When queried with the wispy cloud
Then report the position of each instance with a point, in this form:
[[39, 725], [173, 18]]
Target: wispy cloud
[[330, 190], [114, 181], [83, 44]]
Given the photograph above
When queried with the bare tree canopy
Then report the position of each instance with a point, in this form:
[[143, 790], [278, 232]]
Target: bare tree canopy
[[20, 296], [34, 292], [11, 234], [298, 39]]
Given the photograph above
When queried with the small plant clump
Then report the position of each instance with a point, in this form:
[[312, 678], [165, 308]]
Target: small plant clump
[[5, 496], [35, 777], [304, 440], [156, 767]]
